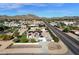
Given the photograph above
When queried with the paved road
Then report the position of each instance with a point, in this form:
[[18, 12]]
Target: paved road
[[73, 35], [69, 41]]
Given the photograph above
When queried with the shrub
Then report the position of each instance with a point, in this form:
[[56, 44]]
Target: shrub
[[27, 40], [5, 37], [53, 36], [23, 39], [33, 40], [16, 34], [66, 30], [56, 39], [0, 45]]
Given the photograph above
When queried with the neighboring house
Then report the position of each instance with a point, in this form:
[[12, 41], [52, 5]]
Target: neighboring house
[[33, 25], [76, 24], [68, 23], [23, 26], [53, 24], [42, 39], [10, 24], [75, 32], [36, 23]]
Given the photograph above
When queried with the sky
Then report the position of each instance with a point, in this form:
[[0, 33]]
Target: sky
[[40, 9]]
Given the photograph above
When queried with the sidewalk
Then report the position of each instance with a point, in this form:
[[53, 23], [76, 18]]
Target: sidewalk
[[5, 44], [30, 50]]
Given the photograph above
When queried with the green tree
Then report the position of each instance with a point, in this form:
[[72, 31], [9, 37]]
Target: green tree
[[66, 30]]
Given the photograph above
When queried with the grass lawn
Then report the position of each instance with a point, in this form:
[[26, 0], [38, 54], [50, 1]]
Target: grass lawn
[[23, 39], [1, 37], [5, 37]]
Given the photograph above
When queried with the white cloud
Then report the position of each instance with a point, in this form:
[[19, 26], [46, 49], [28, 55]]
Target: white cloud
[[18, 5], [44, 4], [58, 4], [36, 4], [6, 6]]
